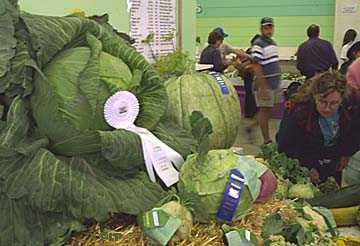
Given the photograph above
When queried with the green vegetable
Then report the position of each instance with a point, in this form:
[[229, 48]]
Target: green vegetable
[[329, 186], [273, 225], [59, 162], [286, 168], [174, 64], [303, 191], [201, 92], [174, 208], [344, 197], [68, 101], [61, 190], [282, 189], [204, 176], [305, 230]]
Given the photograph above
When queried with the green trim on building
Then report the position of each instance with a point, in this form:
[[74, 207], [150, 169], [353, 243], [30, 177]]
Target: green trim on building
[[289, 31], [251, 8], [241, 19]]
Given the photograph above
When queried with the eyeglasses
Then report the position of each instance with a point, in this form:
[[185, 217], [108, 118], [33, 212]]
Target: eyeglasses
[[325, 104]]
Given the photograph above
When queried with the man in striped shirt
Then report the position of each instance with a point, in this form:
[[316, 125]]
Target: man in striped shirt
[[265, 56]]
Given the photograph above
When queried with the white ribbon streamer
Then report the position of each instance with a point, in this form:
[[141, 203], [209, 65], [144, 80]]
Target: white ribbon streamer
[[121, 111]]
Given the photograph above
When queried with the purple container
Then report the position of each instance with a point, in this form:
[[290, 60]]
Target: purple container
[[276, 113]]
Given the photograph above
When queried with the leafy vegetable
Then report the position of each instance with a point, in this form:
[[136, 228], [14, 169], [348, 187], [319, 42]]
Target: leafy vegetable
[[283, 166], [344, 197], [175, 208], [329, 186], [273, 225], [203, 178], [59, 161], [304, 191], [308, 228], [201, 129], [216, 100], [174, 64], [35, 182]]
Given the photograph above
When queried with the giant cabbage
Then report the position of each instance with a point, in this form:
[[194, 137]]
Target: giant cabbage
[[59, 162]]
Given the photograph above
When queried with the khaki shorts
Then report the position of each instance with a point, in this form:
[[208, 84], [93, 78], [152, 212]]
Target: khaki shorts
[[274, 99]]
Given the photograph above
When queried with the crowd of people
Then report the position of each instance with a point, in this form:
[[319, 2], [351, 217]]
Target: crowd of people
[[320, 126]]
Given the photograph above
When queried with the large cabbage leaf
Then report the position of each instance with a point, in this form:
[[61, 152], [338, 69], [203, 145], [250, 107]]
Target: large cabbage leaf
[[8, 41], [22, 225], [43, 189]]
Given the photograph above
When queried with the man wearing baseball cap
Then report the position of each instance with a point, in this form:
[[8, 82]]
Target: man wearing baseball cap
[[226, 49], [266, 67]]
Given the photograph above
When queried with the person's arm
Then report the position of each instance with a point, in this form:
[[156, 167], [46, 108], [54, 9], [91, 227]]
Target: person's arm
[[286, 137], [289, 142], [351, 78], [300, 61], [257, 55], [219, 66], [332, 58], [343, 55]]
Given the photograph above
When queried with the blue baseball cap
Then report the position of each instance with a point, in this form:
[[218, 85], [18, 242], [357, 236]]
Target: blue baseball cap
[[221, 31], [267, 21]]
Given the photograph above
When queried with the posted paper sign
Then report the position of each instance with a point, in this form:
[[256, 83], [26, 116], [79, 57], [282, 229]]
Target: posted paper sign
[[349, 9], [157, 17]]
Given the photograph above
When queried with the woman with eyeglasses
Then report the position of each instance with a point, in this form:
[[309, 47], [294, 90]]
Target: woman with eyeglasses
[[320, 127]]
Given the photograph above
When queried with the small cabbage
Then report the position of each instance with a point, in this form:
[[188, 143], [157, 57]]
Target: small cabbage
[[205, 183]]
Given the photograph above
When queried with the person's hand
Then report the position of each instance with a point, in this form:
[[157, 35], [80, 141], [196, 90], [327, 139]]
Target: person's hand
[[242, 55], [314, 176], [342, 163]]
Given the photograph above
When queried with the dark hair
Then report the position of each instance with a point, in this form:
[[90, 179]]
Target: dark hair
[[322, 84], [349, 36], [313, 31], [254, 38], [214, 37], [353, 50]]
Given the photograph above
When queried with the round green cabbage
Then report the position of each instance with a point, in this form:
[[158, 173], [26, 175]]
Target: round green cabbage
[[201, 92], [205, 183], [68, 101]]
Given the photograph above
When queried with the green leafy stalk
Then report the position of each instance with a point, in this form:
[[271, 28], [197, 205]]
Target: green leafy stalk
[[201, 130]]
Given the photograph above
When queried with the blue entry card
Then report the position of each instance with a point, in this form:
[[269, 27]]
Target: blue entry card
[[221, 82], [232, 196]]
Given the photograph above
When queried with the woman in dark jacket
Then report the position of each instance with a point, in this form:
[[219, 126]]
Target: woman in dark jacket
[[321, 126]]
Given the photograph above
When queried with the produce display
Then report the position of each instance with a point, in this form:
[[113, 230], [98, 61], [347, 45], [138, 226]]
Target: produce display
[[68, 175]]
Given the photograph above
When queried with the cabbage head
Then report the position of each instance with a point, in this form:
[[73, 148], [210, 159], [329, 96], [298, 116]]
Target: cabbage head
[[204, 184], [68, 99]]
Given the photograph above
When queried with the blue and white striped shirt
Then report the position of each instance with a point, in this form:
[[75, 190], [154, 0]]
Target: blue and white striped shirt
[[265, 52]]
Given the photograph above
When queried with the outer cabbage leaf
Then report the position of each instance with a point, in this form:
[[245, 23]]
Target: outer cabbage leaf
[[178, 139], [123, 150], [75, 187], [7, 40], [21, 225]]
